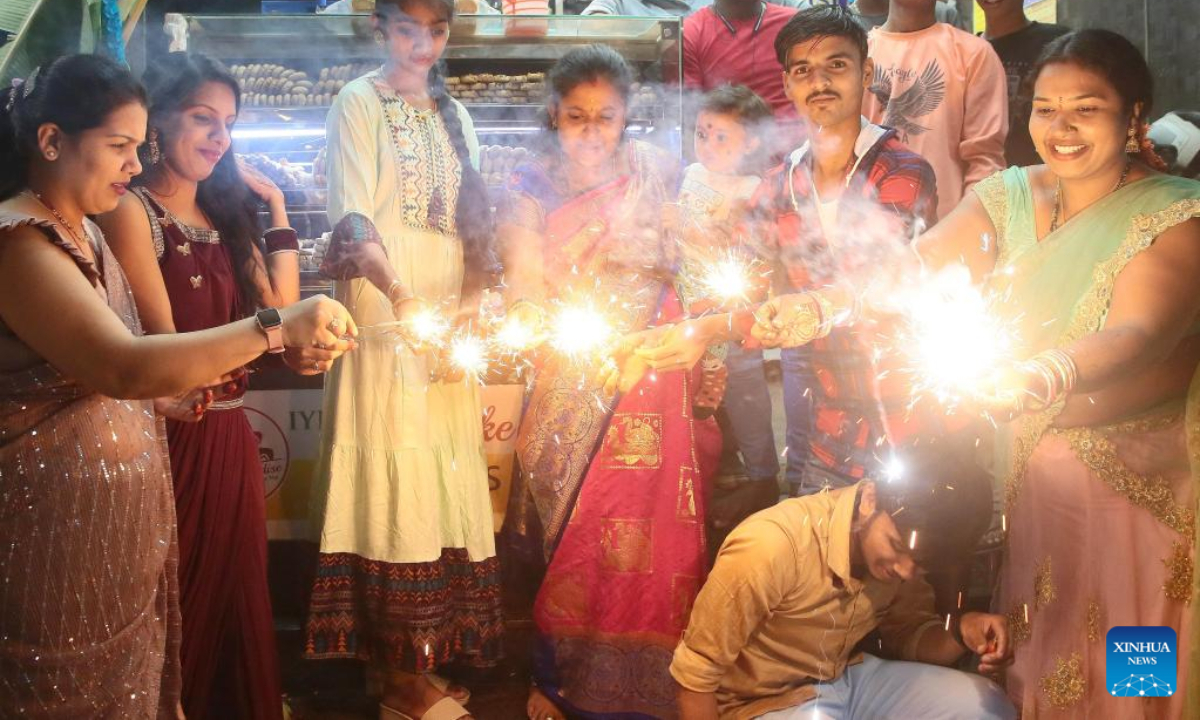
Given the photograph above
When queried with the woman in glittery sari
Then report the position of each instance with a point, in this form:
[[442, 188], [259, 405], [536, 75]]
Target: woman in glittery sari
[[89, 613], [615, 485]]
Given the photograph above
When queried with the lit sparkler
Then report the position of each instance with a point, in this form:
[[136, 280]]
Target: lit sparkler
[[580, 332], [469, 354], [728, 280], [957, 344], [515, 335], [428, 327]]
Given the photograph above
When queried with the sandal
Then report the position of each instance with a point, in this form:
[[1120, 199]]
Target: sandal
[[445, 709]]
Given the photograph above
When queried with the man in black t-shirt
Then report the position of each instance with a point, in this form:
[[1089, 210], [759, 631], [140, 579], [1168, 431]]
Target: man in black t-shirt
[[1018, 41]]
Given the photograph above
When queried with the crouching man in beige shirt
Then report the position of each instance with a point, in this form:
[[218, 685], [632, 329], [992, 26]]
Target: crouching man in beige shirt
[[795, 587]]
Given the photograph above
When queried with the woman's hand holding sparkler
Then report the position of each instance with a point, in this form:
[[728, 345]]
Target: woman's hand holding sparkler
[[681, 346], [522, 328], [1031, 385], [624, 368], [424, 328], [1003, 395]]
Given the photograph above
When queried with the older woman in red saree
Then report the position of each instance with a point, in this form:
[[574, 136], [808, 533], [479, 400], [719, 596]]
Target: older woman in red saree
[[616, 485]]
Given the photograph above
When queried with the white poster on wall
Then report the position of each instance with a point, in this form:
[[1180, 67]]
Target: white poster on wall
[[287, 424]]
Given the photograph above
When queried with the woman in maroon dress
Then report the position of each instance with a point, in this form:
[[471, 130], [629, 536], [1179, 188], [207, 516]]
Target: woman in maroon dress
[[187, 237], [89, 621]]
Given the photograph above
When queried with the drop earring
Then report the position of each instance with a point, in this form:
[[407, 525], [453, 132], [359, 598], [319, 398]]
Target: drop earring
[[153, 154], [1132, 146]]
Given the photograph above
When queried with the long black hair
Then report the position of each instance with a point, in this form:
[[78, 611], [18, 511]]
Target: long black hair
[[472, 215], [75, 92], [1112, 56], [223, 196]]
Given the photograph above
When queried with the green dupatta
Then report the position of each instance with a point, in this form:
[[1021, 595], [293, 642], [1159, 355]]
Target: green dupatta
[[1060, 289]]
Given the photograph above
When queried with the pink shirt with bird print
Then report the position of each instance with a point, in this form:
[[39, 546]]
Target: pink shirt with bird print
[[945, 93]]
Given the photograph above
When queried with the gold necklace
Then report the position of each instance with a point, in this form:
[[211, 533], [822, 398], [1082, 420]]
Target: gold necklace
[[76, 236], [1058, 194]]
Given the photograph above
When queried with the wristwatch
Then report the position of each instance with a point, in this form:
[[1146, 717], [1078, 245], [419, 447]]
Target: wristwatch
[[271, 323]]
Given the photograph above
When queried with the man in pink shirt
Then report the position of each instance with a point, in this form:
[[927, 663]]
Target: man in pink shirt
[[945, 93], [733, 41]]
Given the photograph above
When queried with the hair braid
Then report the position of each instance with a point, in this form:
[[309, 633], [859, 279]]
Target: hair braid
[[472, 214]]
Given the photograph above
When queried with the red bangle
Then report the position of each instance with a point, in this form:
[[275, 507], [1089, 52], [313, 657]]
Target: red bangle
[[282, 239]]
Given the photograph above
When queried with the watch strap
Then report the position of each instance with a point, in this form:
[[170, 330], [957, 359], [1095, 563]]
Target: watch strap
[[271, 323]]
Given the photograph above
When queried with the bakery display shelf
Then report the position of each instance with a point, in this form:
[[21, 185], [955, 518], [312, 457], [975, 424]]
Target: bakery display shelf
[[294, 119], [472, 37]]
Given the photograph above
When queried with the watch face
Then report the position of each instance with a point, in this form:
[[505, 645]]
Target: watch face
[[269, 317]]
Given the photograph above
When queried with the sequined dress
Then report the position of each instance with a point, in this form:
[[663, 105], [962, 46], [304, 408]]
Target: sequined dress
[[89, 618]]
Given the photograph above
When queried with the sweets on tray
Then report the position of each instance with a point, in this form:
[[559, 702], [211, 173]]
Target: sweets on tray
[[275, 86], [498, 89], [269, 85], [285, 175], [496, 162]]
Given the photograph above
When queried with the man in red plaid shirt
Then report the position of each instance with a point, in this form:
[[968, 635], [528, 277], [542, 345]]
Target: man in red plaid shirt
[[842, 209], [837, 207]]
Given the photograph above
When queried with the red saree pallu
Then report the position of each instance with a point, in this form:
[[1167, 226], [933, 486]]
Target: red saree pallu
[[619, 486]]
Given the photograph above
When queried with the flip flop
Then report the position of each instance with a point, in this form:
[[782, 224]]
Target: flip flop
[[443, 686], [444, 709]]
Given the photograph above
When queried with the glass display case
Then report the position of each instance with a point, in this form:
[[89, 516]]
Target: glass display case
[[291, 68]]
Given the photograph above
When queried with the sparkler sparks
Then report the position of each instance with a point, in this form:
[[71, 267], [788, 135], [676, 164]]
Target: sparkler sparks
[[515, 335], [957, 345], [429, 327], [469, 354], [580, 332], [728, 280]]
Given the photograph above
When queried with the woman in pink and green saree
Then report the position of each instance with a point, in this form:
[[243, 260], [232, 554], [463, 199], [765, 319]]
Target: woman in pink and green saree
[[616, 485], [1096, 259]]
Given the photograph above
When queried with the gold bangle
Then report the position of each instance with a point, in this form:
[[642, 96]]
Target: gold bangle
[[397, 293], [825, 306]]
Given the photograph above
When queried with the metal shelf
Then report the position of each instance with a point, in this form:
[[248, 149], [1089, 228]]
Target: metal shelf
[[472, 37]]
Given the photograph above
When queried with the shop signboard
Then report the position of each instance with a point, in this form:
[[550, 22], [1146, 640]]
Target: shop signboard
[[287, 423]]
